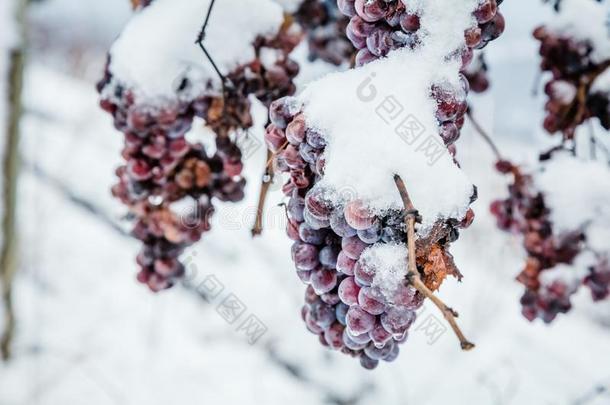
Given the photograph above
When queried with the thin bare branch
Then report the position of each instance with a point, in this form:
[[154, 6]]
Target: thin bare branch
[[484, 134], [8, 252]]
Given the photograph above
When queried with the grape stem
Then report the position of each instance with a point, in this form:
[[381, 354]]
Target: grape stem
[[267, 179], [413, 276], [483, 134], [199, 41]]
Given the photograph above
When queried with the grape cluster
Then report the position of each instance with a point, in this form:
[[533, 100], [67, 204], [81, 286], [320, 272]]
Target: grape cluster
[[571, 100], [378, 26], [343, 304], [525, 212], [325, 28], [162, 168]]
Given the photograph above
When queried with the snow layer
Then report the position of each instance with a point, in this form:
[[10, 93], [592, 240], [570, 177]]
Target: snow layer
[[390, 264], [379, 120], [578, 193], [585, 20], [157, 47]]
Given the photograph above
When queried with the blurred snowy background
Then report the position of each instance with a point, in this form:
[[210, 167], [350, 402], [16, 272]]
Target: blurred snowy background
[[87, 333]]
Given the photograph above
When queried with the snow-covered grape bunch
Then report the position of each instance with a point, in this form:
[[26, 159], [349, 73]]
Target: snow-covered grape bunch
[[345, 215], [566, 244], [325, 28], [575, 49], [379, 26], [337, 247], [154, 93]]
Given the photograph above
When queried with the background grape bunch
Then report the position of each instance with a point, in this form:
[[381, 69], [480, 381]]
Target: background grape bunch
[[571, 98], [574, 67], [163, 168], [547, 293], [325, 27]]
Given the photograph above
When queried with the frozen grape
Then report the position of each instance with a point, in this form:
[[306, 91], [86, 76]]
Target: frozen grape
[[359, 321]]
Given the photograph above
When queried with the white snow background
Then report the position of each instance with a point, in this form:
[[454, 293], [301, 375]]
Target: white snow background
[[87, 333]]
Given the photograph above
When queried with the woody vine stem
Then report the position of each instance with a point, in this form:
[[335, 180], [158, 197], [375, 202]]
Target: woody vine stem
[[8, 252], [413, 276]]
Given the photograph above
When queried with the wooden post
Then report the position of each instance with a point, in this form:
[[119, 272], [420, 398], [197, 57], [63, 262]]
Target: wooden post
[[10, 169]]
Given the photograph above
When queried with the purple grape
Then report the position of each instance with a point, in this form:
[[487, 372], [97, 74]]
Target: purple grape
[[317, 205], [345, 264], [305, 256], [341, 312], [393, 355], [353, 247], [368, 363], [371, 301], [315, 139], [312, 326], [363, 274], [314, 222], [348, 291], [379, 335], [296, 205], [330, 298], [323, 280], [372, 234], [340, 226], [359, 321], [376, 353], [328, 256], [310, 235], [322, 314], [334, 336], [304, 276], [358, 216], [350, 343], [360, 339], [295, 132], [397, 320]]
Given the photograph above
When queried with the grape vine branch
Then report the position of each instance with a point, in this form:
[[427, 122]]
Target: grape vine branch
[[413, 277], [199, 41]]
